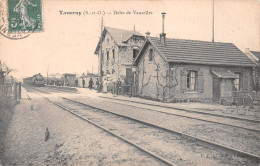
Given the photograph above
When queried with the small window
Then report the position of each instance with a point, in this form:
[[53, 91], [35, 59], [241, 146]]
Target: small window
[[192, 80], [238, 82], [136, 39], [107, 40], [135, 53], [107, 55], [113, 53], [151, 55]]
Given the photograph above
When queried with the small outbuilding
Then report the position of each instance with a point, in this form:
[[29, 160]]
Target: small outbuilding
[[191, 70], [69, 79]]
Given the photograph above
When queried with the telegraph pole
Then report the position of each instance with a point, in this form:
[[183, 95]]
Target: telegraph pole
[[100, 50], [47, 75], [213, 21]]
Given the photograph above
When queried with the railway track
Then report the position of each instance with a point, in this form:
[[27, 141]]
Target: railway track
[[83, 117], [175, 132], [60, 89], [197, 139], [35, 89], [108, 131], [252, 125]]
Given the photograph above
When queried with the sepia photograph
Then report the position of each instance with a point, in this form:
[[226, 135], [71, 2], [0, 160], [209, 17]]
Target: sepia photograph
[[130, 83]]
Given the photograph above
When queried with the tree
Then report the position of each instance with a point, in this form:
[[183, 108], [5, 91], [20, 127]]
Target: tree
[[4, 71]]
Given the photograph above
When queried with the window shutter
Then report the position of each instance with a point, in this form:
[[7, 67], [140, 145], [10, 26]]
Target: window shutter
[[184, 80], [245, 82], [200, 81]]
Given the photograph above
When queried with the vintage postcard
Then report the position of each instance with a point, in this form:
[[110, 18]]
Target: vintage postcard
[[109, 82]]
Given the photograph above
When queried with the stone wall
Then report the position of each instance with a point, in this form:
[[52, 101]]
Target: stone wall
[[151, 76], [123, 57]]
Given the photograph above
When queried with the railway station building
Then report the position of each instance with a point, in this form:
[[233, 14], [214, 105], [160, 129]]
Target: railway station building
[[118, 49], [190, 70]]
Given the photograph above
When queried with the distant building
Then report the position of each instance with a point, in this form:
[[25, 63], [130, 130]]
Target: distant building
[[119, 49], [176, 69], [86, 78], [68, 79], [2, 77]]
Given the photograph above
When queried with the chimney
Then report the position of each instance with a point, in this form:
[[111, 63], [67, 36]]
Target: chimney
[[147, 34], [163, 35], [247, 51]]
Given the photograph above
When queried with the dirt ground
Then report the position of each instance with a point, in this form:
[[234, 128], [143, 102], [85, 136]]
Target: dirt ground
[[72, 141]]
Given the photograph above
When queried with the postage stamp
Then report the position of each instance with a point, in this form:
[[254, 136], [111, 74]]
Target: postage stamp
[[24, 15]]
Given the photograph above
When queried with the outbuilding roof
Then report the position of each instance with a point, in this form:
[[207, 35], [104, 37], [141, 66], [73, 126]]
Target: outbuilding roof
[[199, 52], [224, 73], [120, 36], [256, 53]]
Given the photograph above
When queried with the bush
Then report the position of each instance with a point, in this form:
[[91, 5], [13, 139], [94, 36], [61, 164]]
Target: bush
[[6, 112]]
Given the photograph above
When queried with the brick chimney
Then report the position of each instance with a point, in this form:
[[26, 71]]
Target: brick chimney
[[147, 34], [247, 50], [163, 35]]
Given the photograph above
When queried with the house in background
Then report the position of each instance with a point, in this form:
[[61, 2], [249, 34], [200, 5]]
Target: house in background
[[119, 49], [176, 69], [69, 79], [86, 78]]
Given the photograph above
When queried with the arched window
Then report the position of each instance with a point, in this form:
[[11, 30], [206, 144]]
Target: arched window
[[113, 53], [107, 54], [151, 55], [135, 52]]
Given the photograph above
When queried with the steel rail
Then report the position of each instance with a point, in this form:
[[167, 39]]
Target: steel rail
[[61, 90], [116, 135], [209, 121], [186, 110], [202, 140], [35, 89]]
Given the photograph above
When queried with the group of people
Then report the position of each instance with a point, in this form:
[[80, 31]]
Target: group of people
[[101, 85]]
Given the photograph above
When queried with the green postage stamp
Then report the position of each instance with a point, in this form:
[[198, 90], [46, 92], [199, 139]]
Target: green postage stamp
[[24, 16]]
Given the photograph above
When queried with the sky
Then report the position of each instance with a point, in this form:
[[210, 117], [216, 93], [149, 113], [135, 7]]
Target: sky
[[68, 42]]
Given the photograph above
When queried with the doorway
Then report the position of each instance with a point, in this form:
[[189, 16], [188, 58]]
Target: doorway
[[216, 89]]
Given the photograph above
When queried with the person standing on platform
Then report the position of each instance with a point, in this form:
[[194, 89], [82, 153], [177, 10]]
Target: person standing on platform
[[105, 84], [97, 84], [76, 82], [118, 85], [90, 83], [100, 85], [83, 83]]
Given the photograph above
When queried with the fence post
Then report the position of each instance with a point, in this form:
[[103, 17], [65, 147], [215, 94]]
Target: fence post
[[15, 91], [20, 90], [131, 89]]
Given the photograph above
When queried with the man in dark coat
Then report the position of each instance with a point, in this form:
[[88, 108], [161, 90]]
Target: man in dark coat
[[76, 82], [90, 84], [97, 84], [118, 85], [83, 82]]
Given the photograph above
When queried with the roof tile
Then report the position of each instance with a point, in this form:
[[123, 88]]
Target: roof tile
[[201, 52]]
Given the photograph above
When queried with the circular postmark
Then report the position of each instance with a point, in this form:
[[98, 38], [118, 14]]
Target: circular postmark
[[18, 19]]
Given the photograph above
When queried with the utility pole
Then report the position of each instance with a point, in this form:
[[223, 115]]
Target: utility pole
[[213, 21], [92, 71], [48, 74], [100, 50]]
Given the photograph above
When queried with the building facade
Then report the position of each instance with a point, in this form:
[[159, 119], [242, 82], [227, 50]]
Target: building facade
[[255, 57], [116, 54], [189, 70], [68, 79]]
